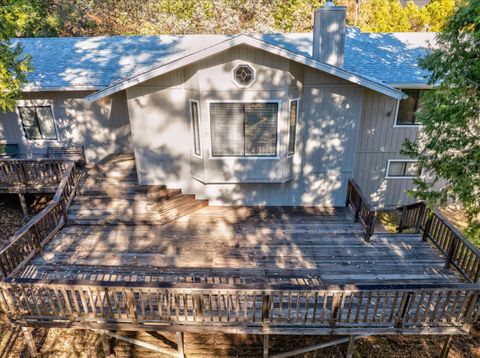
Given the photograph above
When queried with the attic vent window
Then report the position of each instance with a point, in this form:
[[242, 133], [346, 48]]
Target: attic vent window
[[244, 75]]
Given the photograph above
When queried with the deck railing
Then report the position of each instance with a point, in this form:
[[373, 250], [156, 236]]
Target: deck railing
[[362, 207], [287, 309], [458, 250], [17, 175], [30, 239]]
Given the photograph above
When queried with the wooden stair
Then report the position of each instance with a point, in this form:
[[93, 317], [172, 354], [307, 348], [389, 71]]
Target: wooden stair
[[110, 195]]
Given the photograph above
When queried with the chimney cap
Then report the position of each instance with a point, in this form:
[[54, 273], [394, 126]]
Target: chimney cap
[[329, 3]]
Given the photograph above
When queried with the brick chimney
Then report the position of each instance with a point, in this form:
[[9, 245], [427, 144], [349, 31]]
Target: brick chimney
[[329, 34]]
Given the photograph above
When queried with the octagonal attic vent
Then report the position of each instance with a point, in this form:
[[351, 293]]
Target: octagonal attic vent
[[243, 75]]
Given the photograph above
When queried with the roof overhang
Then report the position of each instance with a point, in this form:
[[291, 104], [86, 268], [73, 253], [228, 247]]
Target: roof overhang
[[415, 85], [256, 43], [35, 88]]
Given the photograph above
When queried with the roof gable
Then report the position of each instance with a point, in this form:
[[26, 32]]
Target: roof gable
[[193, 57]]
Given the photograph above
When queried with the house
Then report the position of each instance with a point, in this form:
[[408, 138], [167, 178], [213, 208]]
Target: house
[[274, 119]]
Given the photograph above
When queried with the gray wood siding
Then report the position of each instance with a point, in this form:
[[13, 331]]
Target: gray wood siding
[[329, 118], [378, 142], [102, 127]]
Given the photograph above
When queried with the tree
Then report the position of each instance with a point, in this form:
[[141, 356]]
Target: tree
[[14, 18], [382, 16], [438, 12], [448, 146], [418, 18]]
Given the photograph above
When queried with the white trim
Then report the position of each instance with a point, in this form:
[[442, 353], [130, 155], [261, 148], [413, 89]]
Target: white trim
[[247, 157], [403, 161], [239, 85], [190, 101], [256, 43], [36, 103], [296, 125]]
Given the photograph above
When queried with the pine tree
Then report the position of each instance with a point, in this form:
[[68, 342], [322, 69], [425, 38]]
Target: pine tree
[[448, 146], [438, 12], [418, 18]]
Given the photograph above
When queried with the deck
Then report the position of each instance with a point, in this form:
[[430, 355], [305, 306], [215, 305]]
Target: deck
[[303, 246], [131, 257]]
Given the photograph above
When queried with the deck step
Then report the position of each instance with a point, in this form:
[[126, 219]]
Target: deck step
[[99, 198], [130, 207], [146, 219]]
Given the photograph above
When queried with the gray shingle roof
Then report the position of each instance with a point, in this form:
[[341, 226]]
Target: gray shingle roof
[[96, 62]]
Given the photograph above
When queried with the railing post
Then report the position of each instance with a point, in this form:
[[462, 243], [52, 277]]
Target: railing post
[[402, 219], [421, 213], [403, 310], [265, 307], [451, 252], [426, 230]]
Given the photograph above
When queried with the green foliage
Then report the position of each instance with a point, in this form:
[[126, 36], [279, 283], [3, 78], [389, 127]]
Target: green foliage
[[14, 19], [383, 16], [418, 18], [448, 147], [145, 17], [438, 12]]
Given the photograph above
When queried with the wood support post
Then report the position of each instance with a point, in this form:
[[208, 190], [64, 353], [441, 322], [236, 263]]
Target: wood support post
[[27, 333], [105, 343], [446, 347], [23, 204], [351, 344], [180, 345], [265, 345]]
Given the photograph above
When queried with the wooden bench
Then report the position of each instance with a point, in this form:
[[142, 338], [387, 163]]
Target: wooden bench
[[76, 153], [8, 150]]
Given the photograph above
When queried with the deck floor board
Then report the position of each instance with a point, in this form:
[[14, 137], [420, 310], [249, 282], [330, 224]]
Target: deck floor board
[[243, 245]]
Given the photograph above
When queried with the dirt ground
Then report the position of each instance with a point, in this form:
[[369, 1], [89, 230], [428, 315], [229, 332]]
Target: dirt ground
[[79, 343]]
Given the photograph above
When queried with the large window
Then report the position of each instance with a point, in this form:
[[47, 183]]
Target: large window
[[292, 126], [401, 169], [194, 114], [244, 129], [37, 122], [408, 107]]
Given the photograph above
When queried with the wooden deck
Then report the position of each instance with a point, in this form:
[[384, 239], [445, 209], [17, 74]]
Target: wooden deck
[[134, 257], [120, 231], [248, 245]]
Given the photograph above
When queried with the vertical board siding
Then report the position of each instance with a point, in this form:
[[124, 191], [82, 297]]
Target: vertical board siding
[[328, 123], [102, 127], [378, 142]]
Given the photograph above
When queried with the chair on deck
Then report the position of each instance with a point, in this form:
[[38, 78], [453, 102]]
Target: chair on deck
[[75, 153]]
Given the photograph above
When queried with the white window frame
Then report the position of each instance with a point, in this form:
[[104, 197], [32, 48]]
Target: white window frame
[[247, 157], [403, 161], [36, 103], [193, 128], [240, 85], [296, 125], [395, 125]]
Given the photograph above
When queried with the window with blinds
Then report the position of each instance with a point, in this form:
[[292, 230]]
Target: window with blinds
[[37, 122], [244, 129], [194, 114], [292, 126]]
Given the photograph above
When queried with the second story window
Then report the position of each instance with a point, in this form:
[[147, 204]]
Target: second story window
[[408, 107], [37, 122]]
